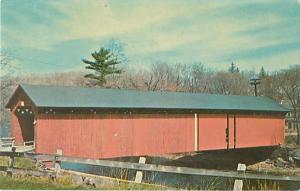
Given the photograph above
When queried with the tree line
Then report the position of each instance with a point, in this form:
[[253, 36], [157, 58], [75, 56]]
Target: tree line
[[106, 70]]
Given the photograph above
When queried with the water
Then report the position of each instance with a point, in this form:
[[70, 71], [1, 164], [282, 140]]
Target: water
[[5, 130], [179, 180], [169, 179]]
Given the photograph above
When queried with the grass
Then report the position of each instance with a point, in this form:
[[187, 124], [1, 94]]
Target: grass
[[19, 162], [133, 186], [261, 185], [36, 183], [65, 183]]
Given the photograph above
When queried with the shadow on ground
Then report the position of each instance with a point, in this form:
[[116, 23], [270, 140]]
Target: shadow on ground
[[219, 160]]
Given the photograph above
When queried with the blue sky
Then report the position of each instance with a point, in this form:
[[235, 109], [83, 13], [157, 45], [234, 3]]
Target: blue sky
[[49, 36]]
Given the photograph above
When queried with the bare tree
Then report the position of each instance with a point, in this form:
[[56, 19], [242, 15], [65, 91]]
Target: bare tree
[[289, 86], [6, 85], [229, 83]]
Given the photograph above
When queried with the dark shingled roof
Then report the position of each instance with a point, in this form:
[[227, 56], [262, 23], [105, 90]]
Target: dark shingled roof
[[78, 97]]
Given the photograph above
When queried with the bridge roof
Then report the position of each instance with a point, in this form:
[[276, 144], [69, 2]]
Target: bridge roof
[[44, 96]]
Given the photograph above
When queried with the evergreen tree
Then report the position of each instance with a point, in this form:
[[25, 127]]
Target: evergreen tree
[[104, 64], [262, 73], [233, 68]]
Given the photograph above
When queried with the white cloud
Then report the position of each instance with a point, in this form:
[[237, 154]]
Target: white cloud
[[98, 19], [102, 19], [142, 26]]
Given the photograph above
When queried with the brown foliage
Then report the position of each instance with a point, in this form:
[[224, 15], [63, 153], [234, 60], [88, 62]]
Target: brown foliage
[[166, 77]]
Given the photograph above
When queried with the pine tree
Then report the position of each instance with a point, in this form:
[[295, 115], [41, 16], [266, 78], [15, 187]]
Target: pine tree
[[233, 68], [104, 64], [262, 73]]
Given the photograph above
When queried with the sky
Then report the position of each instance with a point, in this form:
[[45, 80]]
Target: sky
[[55, 35]]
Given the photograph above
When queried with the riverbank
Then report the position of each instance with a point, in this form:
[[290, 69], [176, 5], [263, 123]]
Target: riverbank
[[40, 183], [65, 182], [28, 176]]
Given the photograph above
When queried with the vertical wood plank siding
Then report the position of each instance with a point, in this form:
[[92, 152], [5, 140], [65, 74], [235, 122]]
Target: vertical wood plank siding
[[256, 131], [112, 135], [212, 128], [251, 131], [116, 135], [16, 130]]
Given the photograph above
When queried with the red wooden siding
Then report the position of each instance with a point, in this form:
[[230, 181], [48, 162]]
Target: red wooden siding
[[111, 135], [251, 131], [16, 130], [212, 131], [255, 131], [116, 135]]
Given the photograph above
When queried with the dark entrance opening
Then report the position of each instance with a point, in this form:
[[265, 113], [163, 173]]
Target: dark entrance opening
[[26, 121]]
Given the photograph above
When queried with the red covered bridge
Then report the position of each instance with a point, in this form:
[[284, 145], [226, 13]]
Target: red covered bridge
[[104, 123]]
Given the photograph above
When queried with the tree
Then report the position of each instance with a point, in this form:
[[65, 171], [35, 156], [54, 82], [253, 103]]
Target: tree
[[229, 83], [104, 64], [6, 85], [6, 63], [262, 73], [289, 83], [195, 78], [233, 68]]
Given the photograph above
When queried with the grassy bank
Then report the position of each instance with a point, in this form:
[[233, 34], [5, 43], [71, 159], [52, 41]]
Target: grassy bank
[[35, 183], [20, 162], [65, 183]]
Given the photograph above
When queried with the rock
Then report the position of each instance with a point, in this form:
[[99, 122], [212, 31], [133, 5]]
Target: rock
[[89, 181], [281, 152], [297, 161], [269, 161], [291, 160], [40, 165], [295, 153], [279, 162], [279, 159]]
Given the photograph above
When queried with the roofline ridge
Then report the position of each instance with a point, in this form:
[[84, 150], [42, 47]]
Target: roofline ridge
[[138, 90]]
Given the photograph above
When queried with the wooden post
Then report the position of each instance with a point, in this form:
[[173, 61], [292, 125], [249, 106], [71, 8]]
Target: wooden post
[[57, 166], [11, 162], [139, 174], [238, 184], [196, 132]]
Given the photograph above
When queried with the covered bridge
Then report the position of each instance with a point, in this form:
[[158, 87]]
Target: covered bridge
[[104, 123]]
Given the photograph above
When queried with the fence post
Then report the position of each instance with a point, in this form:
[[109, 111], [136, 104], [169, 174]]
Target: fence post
[[11, 161], [238, 184], [139, 174], [57, 166]]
